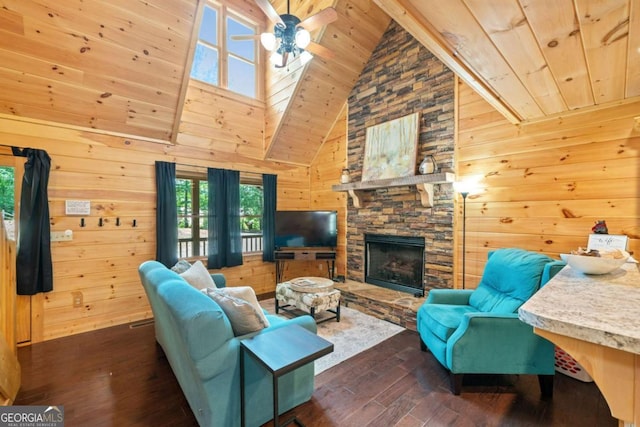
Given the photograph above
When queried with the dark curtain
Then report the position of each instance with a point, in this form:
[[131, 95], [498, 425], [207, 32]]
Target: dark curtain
[[166, 214], [34, 270], [224, 237], [269, 203]]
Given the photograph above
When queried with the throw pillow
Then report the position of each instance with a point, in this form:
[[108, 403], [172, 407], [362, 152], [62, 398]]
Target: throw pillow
[[198, 276], [249, 295], [242, 315], [181, 266]]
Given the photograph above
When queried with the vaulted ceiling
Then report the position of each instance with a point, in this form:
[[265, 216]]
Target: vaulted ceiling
[[119, 66], [533, 59]]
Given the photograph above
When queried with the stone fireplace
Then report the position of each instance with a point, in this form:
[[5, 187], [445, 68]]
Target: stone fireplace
[[403, 77], [395, 262]]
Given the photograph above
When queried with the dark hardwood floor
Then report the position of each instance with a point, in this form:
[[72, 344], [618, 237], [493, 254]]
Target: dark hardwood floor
[[119, 377]]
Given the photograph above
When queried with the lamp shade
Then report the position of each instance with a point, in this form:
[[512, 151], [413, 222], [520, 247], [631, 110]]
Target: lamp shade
[[302, 38], [276, 58], [268, 40]]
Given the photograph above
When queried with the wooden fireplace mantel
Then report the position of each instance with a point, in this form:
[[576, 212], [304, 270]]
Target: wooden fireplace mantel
[[424, 184]]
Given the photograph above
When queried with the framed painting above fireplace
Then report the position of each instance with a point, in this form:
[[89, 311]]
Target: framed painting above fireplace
[[390, 149]]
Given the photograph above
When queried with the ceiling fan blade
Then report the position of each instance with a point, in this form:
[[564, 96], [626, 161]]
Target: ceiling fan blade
[[271, 13], [320, 50], [324, 17], [246, 37]]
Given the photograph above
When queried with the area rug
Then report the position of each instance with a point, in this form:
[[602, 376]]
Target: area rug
[[354, 333]]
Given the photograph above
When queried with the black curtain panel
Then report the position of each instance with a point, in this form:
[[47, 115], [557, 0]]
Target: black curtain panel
[[34, 269], [224, 235], [166, 214], [269, 203]]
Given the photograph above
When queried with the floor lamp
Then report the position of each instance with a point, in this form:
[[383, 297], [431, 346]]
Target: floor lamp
[[464, 195]]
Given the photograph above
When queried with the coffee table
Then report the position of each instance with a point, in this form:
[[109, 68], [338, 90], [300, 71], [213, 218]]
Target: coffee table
[[309, 294], [281, 350]]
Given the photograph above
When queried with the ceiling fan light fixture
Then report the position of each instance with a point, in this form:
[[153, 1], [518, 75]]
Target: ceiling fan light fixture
[[305, 57], [276, 58], [303, 38], [268, 41]]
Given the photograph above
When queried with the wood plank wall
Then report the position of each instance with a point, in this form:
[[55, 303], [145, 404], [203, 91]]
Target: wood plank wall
[[117, 175], [545, 183], [111, 65]]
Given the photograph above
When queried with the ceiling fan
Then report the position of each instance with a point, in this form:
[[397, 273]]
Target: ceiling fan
[[291, 35]]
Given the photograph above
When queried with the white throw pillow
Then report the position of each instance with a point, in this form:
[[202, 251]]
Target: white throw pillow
[[242, 315], [249, 295], [198, 276]]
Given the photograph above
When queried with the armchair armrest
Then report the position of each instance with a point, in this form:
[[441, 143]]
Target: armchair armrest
[[491, 343], [449, 296]]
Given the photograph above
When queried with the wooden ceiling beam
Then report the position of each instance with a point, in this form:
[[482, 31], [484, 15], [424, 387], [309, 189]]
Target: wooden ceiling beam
[[414, 23]]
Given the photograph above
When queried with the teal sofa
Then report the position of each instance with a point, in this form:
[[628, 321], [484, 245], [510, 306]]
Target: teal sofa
[[478, 331], [199, 344]]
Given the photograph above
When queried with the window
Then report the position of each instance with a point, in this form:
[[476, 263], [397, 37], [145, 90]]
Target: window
[[192, 199], [221, 61]]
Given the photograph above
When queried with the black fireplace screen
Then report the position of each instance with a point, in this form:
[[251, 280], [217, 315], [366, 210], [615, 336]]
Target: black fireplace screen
[[395, 262]]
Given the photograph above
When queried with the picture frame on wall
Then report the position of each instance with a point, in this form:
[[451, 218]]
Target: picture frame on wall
[[391, 148]]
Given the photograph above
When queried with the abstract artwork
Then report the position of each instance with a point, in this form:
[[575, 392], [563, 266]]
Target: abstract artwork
[[390, 149]]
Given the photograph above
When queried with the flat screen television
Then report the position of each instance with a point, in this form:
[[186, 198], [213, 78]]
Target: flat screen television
[[306, 229]]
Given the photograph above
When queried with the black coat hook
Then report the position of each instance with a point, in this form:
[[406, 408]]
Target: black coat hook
[[81, 222], [100, 222], [135, 223], [118, 222]]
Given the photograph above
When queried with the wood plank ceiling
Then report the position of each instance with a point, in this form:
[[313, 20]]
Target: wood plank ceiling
[[533, 59], [114, 66], [304, 102], [118, 65]]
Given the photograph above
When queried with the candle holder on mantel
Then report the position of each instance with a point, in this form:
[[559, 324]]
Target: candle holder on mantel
[[345, 178]]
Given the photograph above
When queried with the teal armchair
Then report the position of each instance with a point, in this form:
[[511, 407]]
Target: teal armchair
[[478, 331]]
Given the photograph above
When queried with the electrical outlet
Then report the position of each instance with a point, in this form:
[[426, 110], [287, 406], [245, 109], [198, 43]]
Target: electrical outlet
[[61, 236], [77, 298]]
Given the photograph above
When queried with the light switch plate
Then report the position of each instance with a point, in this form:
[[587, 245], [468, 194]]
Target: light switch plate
[[61, 236]]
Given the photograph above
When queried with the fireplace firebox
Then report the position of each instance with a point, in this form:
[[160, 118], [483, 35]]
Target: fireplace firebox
[[395, 262]]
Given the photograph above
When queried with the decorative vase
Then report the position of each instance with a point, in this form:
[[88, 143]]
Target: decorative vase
[[345, 177], [428, 165]]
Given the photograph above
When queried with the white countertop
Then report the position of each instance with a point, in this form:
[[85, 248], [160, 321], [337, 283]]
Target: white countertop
[[602, 309]]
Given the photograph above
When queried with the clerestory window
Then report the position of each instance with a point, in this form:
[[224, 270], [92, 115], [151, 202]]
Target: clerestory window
[[221, 61]]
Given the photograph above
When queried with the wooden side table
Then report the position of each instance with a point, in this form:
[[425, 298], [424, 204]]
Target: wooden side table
[[281, 351]]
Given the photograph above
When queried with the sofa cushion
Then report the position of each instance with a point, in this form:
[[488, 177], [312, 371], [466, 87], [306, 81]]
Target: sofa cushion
[[198, 276], [247, 294], [511, 276], [244, 317], [443, 319]]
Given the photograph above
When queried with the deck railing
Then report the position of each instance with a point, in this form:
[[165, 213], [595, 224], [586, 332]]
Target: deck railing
[[251, 243]]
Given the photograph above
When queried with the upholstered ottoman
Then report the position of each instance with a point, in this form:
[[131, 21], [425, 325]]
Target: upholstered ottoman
[[310, 294]]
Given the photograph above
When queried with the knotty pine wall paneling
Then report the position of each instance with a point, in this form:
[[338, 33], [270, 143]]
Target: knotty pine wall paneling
[[117, 175], [545, 183]]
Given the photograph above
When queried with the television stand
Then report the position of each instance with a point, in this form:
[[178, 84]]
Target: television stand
[[283, 255]]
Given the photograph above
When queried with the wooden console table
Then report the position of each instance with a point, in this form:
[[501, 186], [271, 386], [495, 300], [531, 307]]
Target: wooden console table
[[282, 256], [595, 320]]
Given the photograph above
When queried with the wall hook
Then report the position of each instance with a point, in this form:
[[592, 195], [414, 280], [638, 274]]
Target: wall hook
[[118, 222], [135, 223], [81, 222], [100, 222]]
